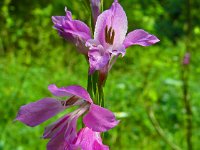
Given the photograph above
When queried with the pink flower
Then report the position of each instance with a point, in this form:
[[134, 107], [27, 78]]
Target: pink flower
[[62, 133], [110, 39]]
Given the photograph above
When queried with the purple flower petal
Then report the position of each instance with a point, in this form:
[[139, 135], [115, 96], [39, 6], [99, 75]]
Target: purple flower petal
[[97, 59], [120, 50], [89, 140], [140, 37], [57, 143], [70, 133], [53, 129], [73, 90], [65, 134], [37, 112], [115, 19], [99, 119], [74, 31], [91, 43]]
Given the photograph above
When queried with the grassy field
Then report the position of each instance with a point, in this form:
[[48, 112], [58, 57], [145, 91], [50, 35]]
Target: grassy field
[[136, 83]]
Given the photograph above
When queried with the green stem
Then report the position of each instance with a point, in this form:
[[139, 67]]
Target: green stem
[[159, 130], [187, 108], [95, 89], [89, 86], [102, 5], [185, 79]]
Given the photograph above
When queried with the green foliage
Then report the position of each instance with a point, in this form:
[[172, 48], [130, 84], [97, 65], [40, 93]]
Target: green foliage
[[32, 56]]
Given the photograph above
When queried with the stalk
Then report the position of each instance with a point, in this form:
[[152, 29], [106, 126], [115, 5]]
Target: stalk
[[185, 79], [150, 112], [188, 109], [90, 86], [159, 130]]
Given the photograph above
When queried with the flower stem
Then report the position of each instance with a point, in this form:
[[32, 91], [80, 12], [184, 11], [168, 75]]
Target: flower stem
[[188, 109], [150, 112], [95, 88], [159, 130], [185, 79], [102, 4], [89, 85]]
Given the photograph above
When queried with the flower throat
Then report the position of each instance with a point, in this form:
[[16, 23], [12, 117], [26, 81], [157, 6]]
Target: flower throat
[[109, 35]]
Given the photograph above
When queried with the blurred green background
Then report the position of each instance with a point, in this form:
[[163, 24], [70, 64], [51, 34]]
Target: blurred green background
[[145, 88]]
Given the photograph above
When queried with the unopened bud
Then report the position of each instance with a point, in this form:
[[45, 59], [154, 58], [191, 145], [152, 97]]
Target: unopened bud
[[186, 59]]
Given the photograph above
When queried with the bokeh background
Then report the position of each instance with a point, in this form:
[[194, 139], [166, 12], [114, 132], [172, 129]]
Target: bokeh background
[[147, 89]]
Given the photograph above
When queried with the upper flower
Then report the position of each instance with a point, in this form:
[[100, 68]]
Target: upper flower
[[62, 133], [74, 31], [110, 39]]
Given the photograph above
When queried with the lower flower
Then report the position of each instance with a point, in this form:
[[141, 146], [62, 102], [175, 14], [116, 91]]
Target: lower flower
[[63, 133]]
